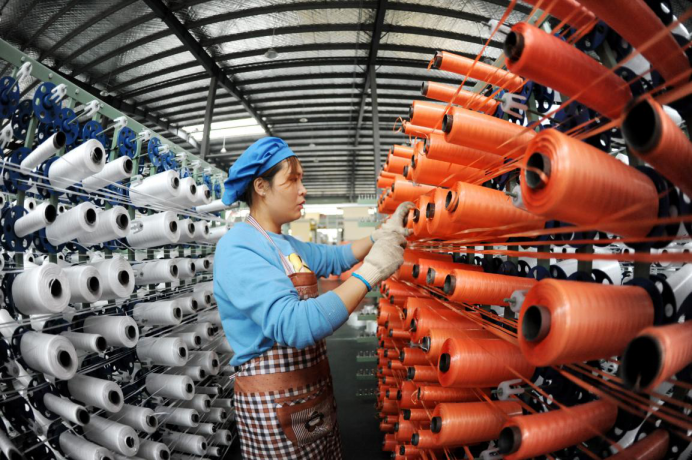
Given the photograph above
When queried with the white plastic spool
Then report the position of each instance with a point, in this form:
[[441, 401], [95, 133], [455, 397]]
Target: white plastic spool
[[66, 409], [196, 373], [214, 206], [201, 231], [41, 290], [170, 386], [155, 272], [118, 279], [41, 217], [162, 351], [76, 165], [188, 443], [85, 283], [112, 224], [94, 343], [77, 222], [200, 403], [159, 189], [171, 415], [113, 171], [152, 450], [187, 230], [100, 393], [119, 331], [222, 438], [161, 313], [154, 230], [139, 418], [112, 435], [79, 448], [209, 361], [187, 268], [50, 354], [45, 150]]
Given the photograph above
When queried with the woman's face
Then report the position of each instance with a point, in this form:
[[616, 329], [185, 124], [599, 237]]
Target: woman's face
[[285, 199]]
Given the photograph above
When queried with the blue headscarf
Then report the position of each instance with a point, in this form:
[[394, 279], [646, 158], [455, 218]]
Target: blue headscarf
[[259, 158]]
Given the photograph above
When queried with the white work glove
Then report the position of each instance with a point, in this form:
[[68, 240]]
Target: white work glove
[[395, 224], [384, 258]]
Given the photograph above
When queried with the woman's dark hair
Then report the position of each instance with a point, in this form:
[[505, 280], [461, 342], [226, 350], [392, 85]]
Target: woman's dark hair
[[291, 162]]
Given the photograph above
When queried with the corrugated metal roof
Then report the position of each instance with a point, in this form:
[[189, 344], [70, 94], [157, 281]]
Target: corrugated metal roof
[[323, 55]]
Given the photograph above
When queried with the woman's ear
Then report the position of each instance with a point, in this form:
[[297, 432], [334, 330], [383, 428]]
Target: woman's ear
[[260, 186]]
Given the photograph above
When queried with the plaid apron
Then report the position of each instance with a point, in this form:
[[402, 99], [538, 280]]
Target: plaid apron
[[284, 398]]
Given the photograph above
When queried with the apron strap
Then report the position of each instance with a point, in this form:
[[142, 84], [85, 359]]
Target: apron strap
[[288, 268]]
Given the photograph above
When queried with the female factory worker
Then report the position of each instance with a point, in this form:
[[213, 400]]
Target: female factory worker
[[265, 284]]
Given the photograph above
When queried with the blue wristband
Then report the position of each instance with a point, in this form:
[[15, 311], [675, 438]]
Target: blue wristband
[[367, 285], [371, 239]]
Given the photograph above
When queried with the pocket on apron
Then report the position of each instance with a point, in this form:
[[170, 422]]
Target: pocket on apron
[[307, 418]]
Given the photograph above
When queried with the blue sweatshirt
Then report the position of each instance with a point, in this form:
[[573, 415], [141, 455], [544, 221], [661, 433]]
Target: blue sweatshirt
[[257, 301]]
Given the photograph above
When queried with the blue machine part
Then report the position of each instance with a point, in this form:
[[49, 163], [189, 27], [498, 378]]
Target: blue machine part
[[594, 39], [45, 108], [68, 124], [9, 96], [43, 185], [91, 130], [21, 119], [10, 241], [544, 97], [153, 151], [44, 131], [14, 180], [169, 162], [207, 181], [184, 172], [217, 191], [127, 142]]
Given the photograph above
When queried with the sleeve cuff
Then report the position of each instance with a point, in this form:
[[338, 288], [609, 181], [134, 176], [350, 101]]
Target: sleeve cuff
[[333, 309], [348, 256]]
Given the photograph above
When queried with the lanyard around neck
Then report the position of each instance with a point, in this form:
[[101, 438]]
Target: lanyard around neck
[[288, 268]]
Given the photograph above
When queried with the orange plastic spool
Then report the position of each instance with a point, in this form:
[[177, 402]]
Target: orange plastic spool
[[422, 374], [403, 151], [420, 224], [473, 206], [473, 101], [437, 148], [436, 338], [403, 190], [428, 114], [413, 303], [528, 49], [652, 447], [486, 363], [483, 132], [408, 391], [415, 415], [568, 180], [533, 435], [385, 310], [426, 319], [416, 131], [404, 429], [423, 439], [405, 272], [435, 266], [394, 321], [458, 424], [430, 393], [389, 443], [389, 408], [656, 354], [385, 182], [413, 356], [433, 219], [396, 164], [442, 173], [568, 11], [638, 24], [655, 138], [484, 288], [398, 296], [477, 70], [568, 321], [399, 334]]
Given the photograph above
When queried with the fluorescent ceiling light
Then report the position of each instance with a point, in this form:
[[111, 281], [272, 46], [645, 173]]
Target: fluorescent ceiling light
[[232, 128]]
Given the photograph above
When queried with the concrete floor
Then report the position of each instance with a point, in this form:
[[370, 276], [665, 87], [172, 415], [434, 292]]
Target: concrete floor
[[360, 435]]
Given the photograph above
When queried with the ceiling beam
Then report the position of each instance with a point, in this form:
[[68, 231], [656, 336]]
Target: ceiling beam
[[205, 60]]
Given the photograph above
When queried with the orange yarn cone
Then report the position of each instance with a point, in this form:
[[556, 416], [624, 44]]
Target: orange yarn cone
[[486, 363], [652, 447], [466, 99], [436, 338], [569, 321], [477, 70], [458, 424], [484, 288]]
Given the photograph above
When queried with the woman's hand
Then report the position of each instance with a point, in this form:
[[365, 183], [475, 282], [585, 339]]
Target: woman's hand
[[395, 224]]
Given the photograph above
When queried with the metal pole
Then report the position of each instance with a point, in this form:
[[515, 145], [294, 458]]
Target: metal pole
[[208, 115], [375, 124]]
